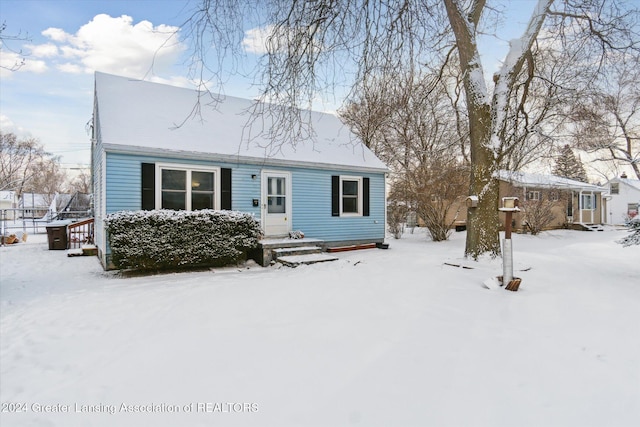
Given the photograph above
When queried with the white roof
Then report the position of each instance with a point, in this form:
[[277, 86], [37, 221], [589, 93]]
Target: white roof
[[635, 183], [523, 179], [141, 117], [7, 195], [30, 200]]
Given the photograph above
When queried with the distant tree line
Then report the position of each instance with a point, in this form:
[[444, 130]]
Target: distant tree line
[[26, 167]]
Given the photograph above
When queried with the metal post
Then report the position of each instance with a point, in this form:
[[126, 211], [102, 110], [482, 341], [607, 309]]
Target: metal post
[[507, 256]]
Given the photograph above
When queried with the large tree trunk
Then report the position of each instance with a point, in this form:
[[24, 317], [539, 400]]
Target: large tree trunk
[[487, 115], [482, 221]]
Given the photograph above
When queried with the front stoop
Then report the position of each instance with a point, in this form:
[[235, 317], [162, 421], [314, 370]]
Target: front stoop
[[295, 250], [296, 260], [589, 227], [270, 249]]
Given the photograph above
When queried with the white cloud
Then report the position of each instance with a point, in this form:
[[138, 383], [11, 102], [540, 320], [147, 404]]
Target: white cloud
[[255, 39], [46, 50], [7, 126], [262, 40], [71, 68], [55, 34], [12, 62], [5, 122], [116, 45]]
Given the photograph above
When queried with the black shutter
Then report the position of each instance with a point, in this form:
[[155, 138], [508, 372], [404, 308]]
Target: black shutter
[[148, 186], [365, 196], [335, 195], [225, 189]]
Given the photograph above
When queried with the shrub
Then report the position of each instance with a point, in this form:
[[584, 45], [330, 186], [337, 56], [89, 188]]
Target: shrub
[[634, 228], [167, 239], [396, 217]]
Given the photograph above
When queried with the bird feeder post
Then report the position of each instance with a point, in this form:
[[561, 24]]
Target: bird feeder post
[[509, 206]]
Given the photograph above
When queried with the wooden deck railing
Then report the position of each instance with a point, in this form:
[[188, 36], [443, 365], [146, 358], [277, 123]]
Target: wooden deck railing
[[80, 233]]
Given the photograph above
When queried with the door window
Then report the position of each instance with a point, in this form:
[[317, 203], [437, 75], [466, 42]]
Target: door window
[[276, 195]]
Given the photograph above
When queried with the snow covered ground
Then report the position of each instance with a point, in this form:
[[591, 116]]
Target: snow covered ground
[[378, 338]]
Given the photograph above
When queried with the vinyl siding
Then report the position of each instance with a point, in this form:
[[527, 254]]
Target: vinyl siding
[[312, 208], [311, 190], [124, 184]]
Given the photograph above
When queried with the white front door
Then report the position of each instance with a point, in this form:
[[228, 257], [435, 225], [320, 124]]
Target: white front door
[[276, 203]]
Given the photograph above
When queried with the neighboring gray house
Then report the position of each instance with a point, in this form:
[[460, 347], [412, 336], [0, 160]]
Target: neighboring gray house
[[149, 152], [624, 199]]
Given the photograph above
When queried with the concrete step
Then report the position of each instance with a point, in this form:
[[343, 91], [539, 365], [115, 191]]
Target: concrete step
[[592, 227], [288, 243], [296, 260], [296, 250]]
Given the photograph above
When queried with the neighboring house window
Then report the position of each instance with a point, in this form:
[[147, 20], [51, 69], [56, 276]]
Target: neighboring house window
[[632, 210], [533, 195], [349, 196], [178, 187], [614, 188], [553, 196], [588, 201]]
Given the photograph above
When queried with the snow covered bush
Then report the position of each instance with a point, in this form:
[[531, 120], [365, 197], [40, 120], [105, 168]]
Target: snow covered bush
[[634, 229], [164, 239]]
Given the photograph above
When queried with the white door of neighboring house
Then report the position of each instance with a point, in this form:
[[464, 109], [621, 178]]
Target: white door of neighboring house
[[276, 203]]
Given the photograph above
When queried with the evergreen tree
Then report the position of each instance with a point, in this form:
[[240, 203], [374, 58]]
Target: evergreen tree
[[634, 229], [569, 166]]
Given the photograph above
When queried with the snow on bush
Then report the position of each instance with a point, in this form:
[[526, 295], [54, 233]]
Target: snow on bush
[[162, 239], [634, 229]]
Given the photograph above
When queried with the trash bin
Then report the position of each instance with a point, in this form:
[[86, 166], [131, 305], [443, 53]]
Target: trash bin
[[57, 235]]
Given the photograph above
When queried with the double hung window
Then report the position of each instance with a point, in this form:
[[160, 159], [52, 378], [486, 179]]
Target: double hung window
[[588, 201], [350, 196], [187, 189]]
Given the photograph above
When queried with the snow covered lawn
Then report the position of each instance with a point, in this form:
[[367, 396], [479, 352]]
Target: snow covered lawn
[[378, 338]]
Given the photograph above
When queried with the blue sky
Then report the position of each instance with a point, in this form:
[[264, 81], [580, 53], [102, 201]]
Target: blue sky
[[51, 96]]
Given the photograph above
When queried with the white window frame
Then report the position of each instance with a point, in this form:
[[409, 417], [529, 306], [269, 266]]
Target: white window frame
[[587, 201], [614, 188], [534, 193], [188, 169], [359, 200]]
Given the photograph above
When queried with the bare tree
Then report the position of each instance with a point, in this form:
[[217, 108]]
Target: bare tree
[[539, 213], [26, 167], [607, 119], [438, 193], [47, 177], [17, 157], [19, 60], [81, 183], [309, 40], [411, 123]]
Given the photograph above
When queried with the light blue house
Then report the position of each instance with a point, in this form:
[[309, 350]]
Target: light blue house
[[149, 151]]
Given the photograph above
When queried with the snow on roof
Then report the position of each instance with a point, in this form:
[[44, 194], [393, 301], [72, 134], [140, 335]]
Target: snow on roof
[[30, 200], [141, 116], [522, 179], [635, 183], [7, 195]]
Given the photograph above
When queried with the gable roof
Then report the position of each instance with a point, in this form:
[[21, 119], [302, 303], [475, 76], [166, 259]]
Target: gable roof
[[141, 117], [523, 179], [633, 183]]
